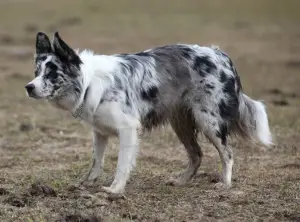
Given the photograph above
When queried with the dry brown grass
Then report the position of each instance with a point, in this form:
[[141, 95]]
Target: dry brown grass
[[44, 149]]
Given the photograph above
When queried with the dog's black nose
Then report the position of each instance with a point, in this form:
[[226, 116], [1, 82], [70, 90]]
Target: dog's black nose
[[30, 87]]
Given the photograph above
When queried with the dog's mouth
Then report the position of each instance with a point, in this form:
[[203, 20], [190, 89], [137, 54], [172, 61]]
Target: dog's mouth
[[34, 96]]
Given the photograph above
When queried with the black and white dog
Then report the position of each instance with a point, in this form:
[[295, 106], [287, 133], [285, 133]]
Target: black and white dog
[[194, 88]]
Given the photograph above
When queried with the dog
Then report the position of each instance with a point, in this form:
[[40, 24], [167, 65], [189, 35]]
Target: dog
[[194, 88]]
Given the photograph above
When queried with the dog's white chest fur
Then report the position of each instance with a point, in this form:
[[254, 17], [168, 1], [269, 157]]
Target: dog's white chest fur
[[102, 119]]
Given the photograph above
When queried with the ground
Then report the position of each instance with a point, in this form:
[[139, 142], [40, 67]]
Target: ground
[[45, 151]]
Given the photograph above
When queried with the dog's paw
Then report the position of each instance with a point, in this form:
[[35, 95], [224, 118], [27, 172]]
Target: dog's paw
[[89, 179], [221, 186], [173, 181], [75, 187], [113, 190], [87, 183], [177, 179], [108, 182]]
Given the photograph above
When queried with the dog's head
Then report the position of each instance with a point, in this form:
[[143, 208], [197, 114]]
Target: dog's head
[[57, 68]]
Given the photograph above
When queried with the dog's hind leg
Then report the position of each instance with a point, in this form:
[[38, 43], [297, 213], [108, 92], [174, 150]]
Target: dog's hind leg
[[184, 126], [99, 146], [217, 133], [226, 156]]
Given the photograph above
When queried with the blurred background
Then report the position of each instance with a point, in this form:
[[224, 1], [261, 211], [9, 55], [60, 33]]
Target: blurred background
[[40, 143]]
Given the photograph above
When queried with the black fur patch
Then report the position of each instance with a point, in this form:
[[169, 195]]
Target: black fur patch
[[209, 86], [223, 77], [55, 87], [40, 58], [229, 88], [51, 66], [51, 72], [127, 98], [52, 76], [150, 94], [187, 53], [152, 120], [232, 95], [229, 109], [143, 54], [203, 65], [77, 90], [223, 133]]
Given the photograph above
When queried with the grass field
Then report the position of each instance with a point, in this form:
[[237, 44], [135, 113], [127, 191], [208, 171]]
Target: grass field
[[44, 151]]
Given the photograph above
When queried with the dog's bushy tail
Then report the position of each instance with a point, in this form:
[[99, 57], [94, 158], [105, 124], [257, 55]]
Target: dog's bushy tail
[[253, 121]]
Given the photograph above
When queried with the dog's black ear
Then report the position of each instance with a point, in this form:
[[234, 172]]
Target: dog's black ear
[[43, 44], [64, 52]]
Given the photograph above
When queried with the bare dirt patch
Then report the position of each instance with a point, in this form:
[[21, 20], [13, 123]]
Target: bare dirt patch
[[3, 191], [80, 218], [40, 189], [18, 201]]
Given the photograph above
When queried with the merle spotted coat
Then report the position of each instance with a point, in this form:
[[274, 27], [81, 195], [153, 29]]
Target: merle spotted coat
[[195, 89]]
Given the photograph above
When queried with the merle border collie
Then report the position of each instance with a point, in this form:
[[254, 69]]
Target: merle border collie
[[194, 88]]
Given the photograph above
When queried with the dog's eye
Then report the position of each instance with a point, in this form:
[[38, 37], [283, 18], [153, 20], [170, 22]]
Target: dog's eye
[[52, 75], [36, 73]]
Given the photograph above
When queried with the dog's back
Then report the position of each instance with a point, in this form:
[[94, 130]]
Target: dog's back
[[186, 81]]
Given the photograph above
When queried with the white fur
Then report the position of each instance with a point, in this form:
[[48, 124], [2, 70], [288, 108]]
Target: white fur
[[258, 130], [38, 81], [263, 131], [107, 119]]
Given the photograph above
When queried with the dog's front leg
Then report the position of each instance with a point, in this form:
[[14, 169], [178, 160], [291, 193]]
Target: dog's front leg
[[126, 159], [99, 146]]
